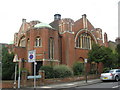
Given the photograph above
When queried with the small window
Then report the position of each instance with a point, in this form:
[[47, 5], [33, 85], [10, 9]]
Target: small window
[[38, 42], [28, 44], [51, 48]]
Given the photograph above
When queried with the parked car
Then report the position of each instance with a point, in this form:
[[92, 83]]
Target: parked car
[[113, 74]]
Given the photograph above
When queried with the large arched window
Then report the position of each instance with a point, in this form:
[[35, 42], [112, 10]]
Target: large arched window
[[84, 41], [38, 42], [51, 48]]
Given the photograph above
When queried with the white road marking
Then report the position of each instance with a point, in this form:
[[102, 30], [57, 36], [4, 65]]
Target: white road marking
[[116, 86], [45, 87], [70, 84]]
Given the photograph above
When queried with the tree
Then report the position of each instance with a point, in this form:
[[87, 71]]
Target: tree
[[96, 54], [101, 54], [118, 54], [7, 64], [110, 59]]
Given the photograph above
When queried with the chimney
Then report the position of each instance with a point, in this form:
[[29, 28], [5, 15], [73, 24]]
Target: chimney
[[105, 40], [84, 21], [23, 20], [57, 17], [84, 16]]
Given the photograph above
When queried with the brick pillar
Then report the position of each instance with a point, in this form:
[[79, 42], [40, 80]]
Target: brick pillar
[[42, 79], [24, 78], [100, 67], [87, 67]]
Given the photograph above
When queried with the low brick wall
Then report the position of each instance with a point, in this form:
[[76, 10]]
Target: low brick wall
[[30, 83], [7, 84], [69, 79]]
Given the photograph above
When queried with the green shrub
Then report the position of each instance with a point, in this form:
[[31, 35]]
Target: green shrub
[[92, 71], [48, 71], [106, 69], [78, 68], [62, 71]]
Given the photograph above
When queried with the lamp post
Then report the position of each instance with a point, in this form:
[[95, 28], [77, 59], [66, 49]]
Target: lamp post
[[85, 70]]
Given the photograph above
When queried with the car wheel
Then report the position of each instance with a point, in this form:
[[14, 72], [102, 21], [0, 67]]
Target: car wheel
[[117, 78]]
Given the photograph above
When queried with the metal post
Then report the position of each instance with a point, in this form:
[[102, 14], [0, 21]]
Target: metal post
[[15, 75], [86, 70], [34, 74], [19, 77]]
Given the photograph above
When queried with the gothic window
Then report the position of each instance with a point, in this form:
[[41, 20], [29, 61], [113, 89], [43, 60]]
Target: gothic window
[[51, 48], [38, 42], [84, 41]]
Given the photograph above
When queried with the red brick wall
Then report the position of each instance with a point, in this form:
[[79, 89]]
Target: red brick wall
[[68, 51], [80, 53]]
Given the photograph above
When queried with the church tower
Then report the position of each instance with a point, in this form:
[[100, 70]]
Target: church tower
[[105, 40]]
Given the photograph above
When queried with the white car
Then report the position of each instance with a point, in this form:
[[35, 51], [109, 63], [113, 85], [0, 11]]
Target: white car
[[113, 74]]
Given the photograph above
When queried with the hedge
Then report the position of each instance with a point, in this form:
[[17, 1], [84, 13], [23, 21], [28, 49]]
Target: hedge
[[62, 71], [78, 68], [48, 71], [59, 71]]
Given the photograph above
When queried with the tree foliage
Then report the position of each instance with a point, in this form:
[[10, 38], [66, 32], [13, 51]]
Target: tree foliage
[[7, 64], [118, 54], [102, 54]]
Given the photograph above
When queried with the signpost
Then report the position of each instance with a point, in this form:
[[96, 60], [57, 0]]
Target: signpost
[[31, 58], [14, 60], [19, 76]]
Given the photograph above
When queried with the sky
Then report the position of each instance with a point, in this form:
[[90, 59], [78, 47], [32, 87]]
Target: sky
[[101, 13]]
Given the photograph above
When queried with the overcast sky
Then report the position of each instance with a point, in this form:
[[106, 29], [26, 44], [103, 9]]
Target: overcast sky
[[101, 13]]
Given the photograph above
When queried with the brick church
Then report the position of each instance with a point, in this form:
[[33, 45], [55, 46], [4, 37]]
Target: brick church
[[63, 41]]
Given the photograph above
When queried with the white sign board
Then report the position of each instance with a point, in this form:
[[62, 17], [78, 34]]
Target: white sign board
[[32, 77], [15, 58], [31, 56], [85, 60]]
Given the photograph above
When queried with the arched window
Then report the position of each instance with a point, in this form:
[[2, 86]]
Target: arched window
[[38, 42], [22, 42], [51, 48], [28, 44], [84, 41]]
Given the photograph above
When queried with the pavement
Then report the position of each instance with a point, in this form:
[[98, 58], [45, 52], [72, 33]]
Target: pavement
[[71, 84]]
